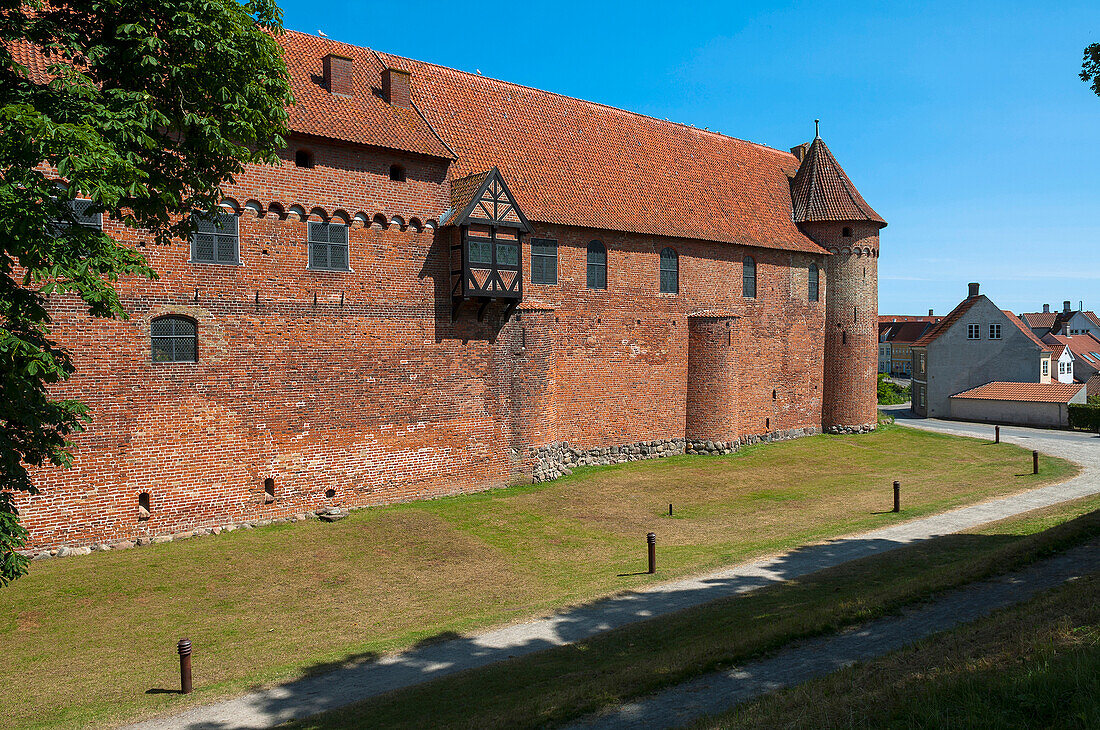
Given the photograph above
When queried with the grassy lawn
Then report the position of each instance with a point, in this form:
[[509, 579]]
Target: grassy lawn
[[1034, 665], [92, 636], [564, 683]]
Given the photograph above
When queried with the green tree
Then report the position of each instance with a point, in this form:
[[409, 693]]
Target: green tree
[[144, 107], [1090, 67]]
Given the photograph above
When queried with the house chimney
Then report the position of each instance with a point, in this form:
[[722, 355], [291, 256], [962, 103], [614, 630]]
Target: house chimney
[[929, 312], [1046, 309], [339, 73], [973, 288], [799, 152], [1065, 306], [397, 87]]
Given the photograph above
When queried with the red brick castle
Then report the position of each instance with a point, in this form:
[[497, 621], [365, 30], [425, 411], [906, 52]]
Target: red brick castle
[[452, 283]]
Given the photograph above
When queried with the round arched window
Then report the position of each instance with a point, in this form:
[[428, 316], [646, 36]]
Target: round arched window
[[174, 339]]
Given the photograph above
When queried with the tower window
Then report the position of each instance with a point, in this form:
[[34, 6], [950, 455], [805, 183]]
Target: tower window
[[748, 278], [846, 232], [144, 510], [397, 173], [670, 272], [174, 339], [216, 239], [597, 266], [814, 276], [269, 490], [303, 158]]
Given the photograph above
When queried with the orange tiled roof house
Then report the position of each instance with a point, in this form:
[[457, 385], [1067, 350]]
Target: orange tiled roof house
[[452, 283]]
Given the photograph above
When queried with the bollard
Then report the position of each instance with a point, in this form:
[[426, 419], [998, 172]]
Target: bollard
[[997, 432], [1034, 462], [670, 510], [184, 648], [651, 538], [897, 496]]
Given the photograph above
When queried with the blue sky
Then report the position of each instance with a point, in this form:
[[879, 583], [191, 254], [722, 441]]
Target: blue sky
[[963, 124]]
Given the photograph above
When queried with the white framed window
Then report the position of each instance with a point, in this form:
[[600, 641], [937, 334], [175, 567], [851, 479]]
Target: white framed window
[[973, 332], [1046, 367], [994, 331]]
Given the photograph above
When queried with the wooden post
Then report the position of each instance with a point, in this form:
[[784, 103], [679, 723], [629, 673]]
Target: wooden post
[[897, 496], [651, 538], [1034, 462], [997, 431]]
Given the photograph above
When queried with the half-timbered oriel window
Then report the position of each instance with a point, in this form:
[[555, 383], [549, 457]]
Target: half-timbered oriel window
[[544, 261], [328, 246], [597, 266], [670, 271], [173, 339], [814, 280], [216, 239], [748, 278]]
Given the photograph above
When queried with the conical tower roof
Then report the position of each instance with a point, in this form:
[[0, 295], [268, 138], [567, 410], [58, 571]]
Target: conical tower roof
[[821, 191]]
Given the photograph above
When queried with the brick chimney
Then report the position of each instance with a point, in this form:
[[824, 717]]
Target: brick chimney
[[1046, 309], [1065, 307], [799, 152], [397, 87], [339, 73], [929, 312], [973, 288]]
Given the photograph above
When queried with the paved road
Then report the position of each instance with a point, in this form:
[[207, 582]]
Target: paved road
[[269, 707], [722, 691]]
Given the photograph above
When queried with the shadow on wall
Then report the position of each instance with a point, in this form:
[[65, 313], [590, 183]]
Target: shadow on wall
[[466, 326]]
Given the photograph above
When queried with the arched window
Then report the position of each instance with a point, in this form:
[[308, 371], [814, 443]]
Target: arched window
[[814, 274], [597, 265], [174, 339], [397, 173], [670, 272], [748, 278]]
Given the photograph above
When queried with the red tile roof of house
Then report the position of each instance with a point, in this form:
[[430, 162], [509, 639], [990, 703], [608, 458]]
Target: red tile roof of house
[[1092, 316], [944, 324], [888, 318], [1083, 346], [1092, 387], [1039, 319], [1026, 330], [1031, 392], [821, 190], [905, 333]]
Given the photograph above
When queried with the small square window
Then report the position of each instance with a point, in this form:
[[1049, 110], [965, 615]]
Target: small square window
[[973, 332], [994, 331], [328, 246], [216, 240]]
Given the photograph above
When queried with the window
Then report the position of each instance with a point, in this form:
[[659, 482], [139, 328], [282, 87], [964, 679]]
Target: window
[[973, 332], [303, 158], [920, 363], [814, 274], [544, 261], [748, 278], [216, 239], [1046, 367], [328, 246], [397, 173], [670, 272], [846, 232], [994, 331], [174, 339], [81, 211], [597, 265]]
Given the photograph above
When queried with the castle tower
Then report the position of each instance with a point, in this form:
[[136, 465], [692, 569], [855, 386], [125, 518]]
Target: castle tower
[[829, 209]]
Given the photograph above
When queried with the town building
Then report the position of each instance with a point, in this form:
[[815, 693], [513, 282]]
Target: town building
[[1067, 322], [975, 344], [896, 337], [1022, 404], [1084, 351], [451, 283]]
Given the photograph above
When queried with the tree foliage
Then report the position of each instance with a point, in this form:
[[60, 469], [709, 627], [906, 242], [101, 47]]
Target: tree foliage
[[1090, 67], [144, 107]]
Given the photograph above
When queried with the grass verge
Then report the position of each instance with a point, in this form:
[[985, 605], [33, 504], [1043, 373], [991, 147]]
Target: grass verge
[[565, 683], [1033, 665], [97, 633]]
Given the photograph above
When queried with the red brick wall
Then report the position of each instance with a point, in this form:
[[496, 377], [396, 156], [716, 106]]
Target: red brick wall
[[359, 382], [851, 327]]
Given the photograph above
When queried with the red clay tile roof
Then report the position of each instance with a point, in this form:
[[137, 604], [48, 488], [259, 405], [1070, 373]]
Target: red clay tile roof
[[821, 191], [1026, 330], [579, 163], [1031, 392], [1092, 316], [904, 333], [1082, 346], [888, 318], [942, 326], [1039, 319], [365, 117], [1057, 350], [1093, 385], [464, 188]]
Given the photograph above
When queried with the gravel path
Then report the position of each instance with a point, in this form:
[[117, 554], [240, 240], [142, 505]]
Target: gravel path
[[269, 707], [722, 691]]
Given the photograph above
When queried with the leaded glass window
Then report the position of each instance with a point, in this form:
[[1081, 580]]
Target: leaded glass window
[[508, 254], [328, 246], [544, 261], [174, 339], [748, 278], [216, 239], [670, 272], [597, 265], [82, 213], [814, 275], [481, 251]]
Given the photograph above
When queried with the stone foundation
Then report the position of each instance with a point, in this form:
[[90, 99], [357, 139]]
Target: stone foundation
[[865, 428]]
